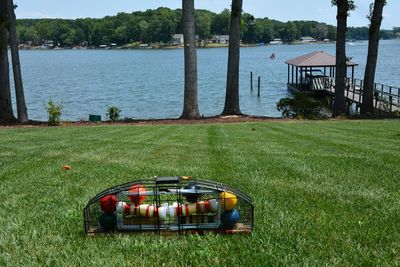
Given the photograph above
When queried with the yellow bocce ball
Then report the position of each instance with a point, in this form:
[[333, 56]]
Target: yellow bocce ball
[[228, 201]]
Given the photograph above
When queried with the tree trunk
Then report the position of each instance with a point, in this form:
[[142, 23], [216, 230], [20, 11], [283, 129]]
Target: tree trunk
[[190, 105], [367, 105], [6, 111], [19, 88], [232, 106], [341, 65]]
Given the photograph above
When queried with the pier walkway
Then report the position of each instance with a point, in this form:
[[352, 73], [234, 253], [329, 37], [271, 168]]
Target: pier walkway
[[386, 98]]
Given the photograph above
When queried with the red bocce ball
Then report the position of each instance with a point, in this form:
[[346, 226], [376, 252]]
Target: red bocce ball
[[108, 203]]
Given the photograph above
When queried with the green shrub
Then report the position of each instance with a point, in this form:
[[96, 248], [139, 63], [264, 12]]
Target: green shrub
[[113, 113], [301, 105], [54, 111]]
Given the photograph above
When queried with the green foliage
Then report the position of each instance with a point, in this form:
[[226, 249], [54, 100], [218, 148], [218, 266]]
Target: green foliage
[[301, 105], [290, 32], [203, 25], [220, 22], [113, 113], [357, 33], [54, 111], [159, 25], [325, 193]]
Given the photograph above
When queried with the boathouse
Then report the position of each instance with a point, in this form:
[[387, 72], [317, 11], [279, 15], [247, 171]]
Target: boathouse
[[303, 71], [316, 72]]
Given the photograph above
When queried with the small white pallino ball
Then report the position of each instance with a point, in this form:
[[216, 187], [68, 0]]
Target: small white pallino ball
[[122, 208]]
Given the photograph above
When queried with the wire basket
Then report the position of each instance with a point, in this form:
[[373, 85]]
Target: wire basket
[[170, 205]]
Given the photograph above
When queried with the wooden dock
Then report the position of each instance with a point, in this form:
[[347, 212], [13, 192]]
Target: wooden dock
[[316, 71], [386, 98]]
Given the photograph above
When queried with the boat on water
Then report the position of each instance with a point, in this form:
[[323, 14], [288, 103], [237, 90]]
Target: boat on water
[[276, 41]]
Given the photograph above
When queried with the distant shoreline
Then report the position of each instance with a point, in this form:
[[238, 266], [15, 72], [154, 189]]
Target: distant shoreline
[[158, 47]]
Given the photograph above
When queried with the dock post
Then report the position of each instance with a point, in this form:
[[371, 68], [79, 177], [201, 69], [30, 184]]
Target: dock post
[[259, 85], [398, 97], [390, 98], [251, 81]]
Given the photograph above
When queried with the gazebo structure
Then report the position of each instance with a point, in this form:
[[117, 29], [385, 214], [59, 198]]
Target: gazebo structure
[[303, 70]]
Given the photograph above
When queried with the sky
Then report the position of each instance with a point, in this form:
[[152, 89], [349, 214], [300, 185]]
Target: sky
[[282, 10]]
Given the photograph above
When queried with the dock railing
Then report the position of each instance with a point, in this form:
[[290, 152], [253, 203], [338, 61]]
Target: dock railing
[[386, 98]]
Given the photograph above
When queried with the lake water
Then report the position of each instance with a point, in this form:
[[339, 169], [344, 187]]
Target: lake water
[[149, 83]]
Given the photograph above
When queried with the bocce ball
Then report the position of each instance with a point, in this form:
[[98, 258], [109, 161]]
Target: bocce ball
[[230, 218], [192, 197], [123, 208], [138, 189], [228, 201], [108, 203], [108, 222]]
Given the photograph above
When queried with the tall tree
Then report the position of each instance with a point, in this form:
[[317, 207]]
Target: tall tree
[[220, 23], [376, 10], [232, 84], [190, 105], [203, 25], [19, 87], [343, 8], [6, 111], [290, 32]]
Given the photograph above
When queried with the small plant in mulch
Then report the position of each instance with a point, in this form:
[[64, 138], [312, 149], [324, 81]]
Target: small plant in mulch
[[113, 113], [54, 111]]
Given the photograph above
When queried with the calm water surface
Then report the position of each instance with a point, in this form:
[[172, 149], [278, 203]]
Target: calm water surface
[[149, 83]]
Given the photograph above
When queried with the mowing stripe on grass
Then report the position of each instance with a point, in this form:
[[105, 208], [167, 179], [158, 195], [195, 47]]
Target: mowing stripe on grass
[[325, 193]]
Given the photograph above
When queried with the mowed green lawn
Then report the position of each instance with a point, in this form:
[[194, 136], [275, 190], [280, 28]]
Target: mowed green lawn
[[325, 193]]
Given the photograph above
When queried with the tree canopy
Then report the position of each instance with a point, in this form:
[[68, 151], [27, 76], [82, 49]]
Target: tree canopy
[[159, 25]]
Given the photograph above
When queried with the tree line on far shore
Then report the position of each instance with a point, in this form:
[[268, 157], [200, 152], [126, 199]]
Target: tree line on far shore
[[159, 26]]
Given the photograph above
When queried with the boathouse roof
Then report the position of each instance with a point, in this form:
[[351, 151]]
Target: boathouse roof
[[316, 59]]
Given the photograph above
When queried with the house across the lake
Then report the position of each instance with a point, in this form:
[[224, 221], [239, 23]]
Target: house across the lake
[[220, 39], [177, 39]]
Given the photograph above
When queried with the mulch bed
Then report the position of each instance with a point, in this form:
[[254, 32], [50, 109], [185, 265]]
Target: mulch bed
[[204, 120]]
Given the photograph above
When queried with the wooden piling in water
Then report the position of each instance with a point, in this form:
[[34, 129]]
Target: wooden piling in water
[[251, 81], [259, 86]]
